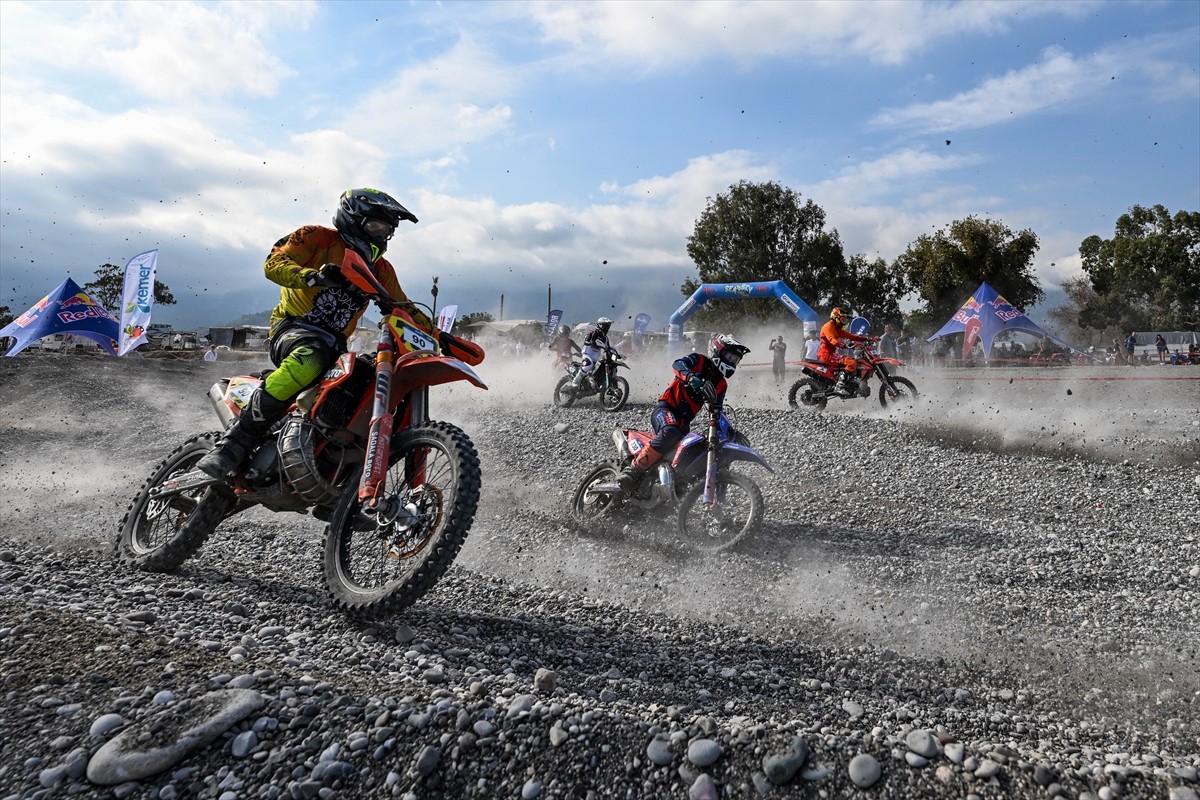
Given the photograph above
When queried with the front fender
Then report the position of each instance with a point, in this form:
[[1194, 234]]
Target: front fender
[[731, 451], [415, 370]]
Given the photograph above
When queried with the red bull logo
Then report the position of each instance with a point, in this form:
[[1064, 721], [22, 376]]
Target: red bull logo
[[971, 305], [78, 299], [92, 311]]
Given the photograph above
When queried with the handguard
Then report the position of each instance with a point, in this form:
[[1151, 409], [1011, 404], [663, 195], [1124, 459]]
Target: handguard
[[465, 351]]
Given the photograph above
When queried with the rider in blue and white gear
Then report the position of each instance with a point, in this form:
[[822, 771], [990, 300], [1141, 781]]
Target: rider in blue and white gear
[[595, 344]]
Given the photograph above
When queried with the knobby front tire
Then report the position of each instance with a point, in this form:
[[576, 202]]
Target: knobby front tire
[[159, 535], [374, 566], [902, 392], [715, 530]]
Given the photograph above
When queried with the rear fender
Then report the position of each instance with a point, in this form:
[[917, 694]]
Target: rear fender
[[820, 372], [631, 441], [238, 391]]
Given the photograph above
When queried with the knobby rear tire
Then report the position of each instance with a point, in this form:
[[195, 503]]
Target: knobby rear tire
[[371, 571], [591, 506], [159, 535], [564, 396], [802, 395]]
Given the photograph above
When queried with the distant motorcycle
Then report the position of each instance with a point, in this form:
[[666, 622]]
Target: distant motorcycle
[[359, 449], [817, 387], [715, 507], [604, 381]]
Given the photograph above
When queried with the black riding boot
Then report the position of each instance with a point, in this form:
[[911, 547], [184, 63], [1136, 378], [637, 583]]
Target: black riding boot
[[252, 426]]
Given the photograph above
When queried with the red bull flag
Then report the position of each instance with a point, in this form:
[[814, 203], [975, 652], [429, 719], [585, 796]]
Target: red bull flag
[[137, 300], [68, 310], [987, 314]]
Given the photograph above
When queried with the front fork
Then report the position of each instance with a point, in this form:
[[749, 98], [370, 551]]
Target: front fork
[[711, 467], [379, 435]]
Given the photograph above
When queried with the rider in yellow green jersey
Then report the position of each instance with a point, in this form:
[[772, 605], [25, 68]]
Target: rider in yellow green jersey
[[317, 312]]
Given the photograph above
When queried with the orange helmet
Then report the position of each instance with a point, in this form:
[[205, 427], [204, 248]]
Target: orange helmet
[[837, 315]]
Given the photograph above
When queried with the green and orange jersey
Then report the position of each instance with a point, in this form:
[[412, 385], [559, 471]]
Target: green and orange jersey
[[293, 261]]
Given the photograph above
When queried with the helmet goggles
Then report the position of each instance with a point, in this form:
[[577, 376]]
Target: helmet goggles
[[378, 228]]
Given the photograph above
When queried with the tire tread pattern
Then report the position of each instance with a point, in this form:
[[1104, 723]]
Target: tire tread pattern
[[398, 596], [213, 506]]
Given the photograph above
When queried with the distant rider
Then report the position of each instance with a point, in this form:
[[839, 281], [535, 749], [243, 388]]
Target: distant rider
[[833, 333], [318, 310], [697, 378], [563, 345], [595, 344]]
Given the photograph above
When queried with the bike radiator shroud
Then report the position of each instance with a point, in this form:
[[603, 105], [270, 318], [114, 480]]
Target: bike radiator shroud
[[318, 480]]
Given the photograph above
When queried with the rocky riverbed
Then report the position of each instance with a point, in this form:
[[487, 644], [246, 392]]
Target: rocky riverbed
[[993, 594]]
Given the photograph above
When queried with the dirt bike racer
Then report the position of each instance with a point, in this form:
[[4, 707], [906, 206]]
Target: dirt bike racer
[[595, 345], [833, 334], [698, 379], [563, 345], [317, 312]]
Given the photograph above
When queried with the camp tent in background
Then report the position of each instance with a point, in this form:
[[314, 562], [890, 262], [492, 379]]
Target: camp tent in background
[[68, 309], [985, 315]]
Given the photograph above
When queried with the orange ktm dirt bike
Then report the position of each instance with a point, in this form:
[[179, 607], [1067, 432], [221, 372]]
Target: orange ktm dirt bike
[[818, 386], [359, 449]]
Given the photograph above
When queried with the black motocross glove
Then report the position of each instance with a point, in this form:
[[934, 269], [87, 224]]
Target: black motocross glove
[[327, 276]]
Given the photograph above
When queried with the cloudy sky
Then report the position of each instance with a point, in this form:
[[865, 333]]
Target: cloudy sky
[[570, 145]]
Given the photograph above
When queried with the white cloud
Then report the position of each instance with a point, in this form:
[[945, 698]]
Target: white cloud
[[662, 33], [1058, 82], [438, 106], [168, 51]]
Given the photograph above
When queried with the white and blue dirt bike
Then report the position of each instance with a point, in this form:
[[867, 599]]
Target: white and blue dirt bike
[[715, 506], [604, 381]]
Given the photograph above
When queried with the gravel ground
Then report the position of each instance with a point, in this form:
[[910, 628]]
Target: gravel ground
[[994, 594]]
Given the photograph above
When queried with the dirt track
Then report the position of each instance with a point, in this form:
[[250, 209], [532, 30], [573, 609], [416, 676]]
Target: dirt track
[[1015, 565]]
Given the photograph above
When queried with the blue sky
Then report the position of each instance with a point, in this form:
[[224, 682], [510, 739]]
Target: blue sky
[[571, 145]]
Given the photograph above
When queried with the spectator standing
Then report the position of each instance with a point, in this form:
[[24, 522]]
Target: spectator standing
[[778, 348], [211, 353], [1130, 346], [887, 343], [1160, 344], [811, 346]]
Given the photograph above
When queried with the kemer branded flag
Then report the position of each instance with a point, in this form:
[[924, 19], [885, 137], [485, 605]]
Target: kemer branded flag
[[137, 300], [446, 318], [552, 320]]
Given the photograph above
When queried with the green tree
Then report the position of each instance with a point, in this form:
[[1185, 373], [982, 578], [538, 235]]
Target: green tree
[[6, 316], [1148, 275], [946, 267], [872, 289], [109, 287], [1067, 318], [763, 232], [461, 324]]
